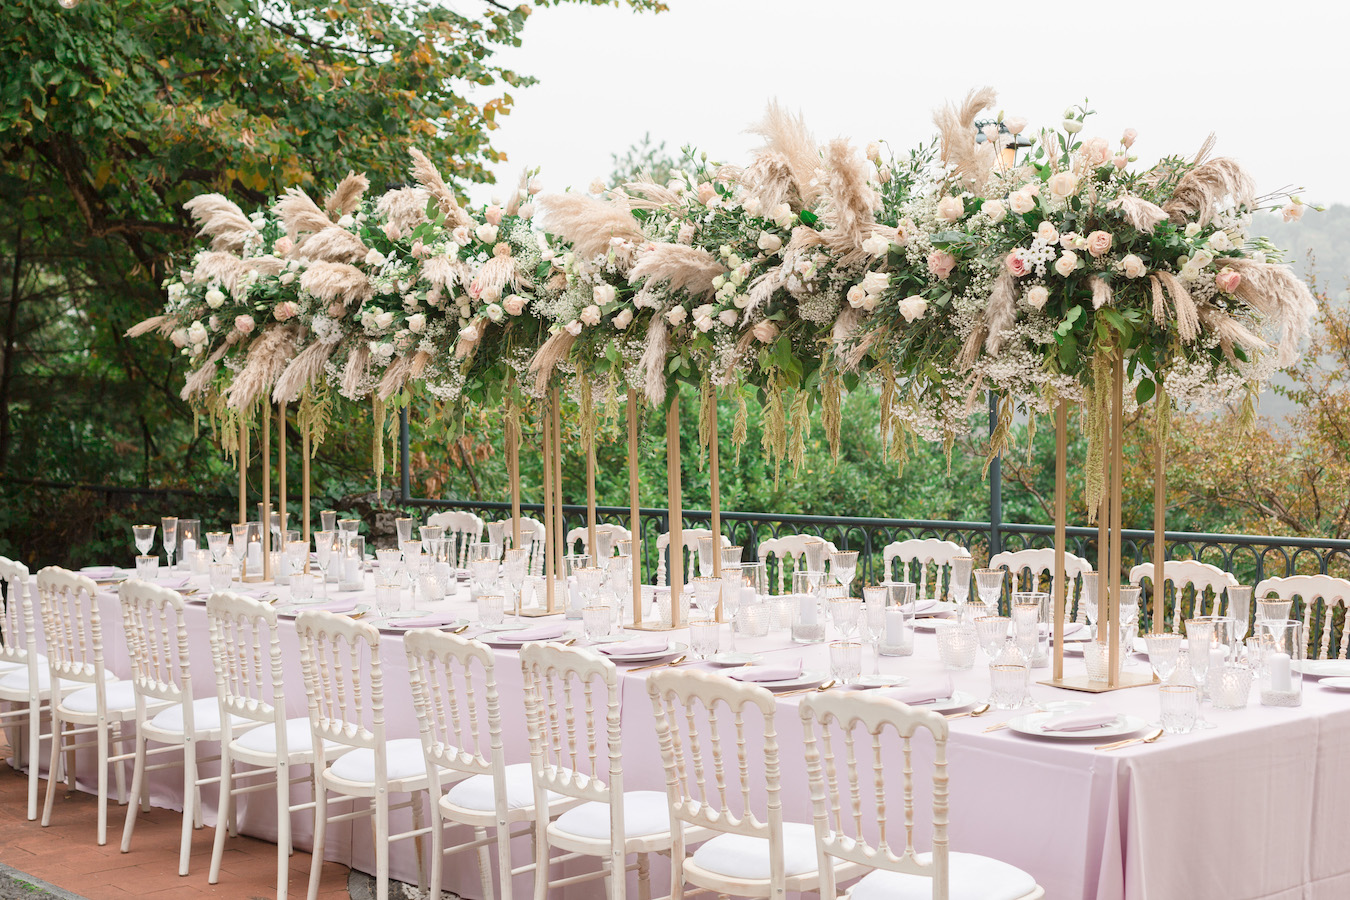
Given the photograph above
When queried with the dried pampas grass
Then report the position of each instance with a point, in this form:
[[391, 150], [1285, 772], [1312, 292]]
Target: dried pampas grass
[[956, 125], [267, 359], [682, 267], [1203, 191], [354, 373], [425, 173], [404, 208], [299, 213], [1188, 321], [1101, 292], [650, 195], [1140, 213], [1159, 301], [999, 315], [495, 274], [394, 377], [787, 137], [222, 219], [444, 272], [346, 197], [226, 269], [332, 244], [521, 191], [307, 366], [845, 326], [546, 358], [1280, 295], [1229, 331], [330, 281], [267, 266], [652, 364], [769, 179], [587, 223], [162, 324], [198, 381], [850, 200]]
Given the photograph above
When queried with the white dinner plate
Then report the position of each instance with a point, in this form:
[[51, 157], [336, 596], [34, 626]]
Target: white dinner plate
[[1030, 725], [1337, 683], [408, 614], [929, 623], [806, 679], [291, 610], [957, 701], [883, 680], [503, 640], [738, 658], [398, 626], [1319, 668], [940, 608], [1076, 649], [650, 656]]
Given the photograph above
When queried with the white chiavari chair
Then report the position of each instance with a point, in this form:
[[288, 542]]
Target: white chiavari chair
[[1202, 578], [25, 685], [691, 536], [344, 683], [166, 713], [533, 537], [572, 712], [250, 694], [851, 796], [1333, 592], [915, 556], [582, 536], [454, 685], [73, 630], [463, 527], [1028, 567], [713, 784], [785, 547]]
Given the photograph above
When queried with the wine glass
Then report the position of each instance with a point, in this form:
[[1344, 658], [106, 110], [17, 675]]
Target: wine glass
[[145, 538], [731, 600], [843, 565], [604, 547], [618, 575], [1199, 639], [959, 586], [590, 579], [845, 612], [705, 555], [496, 539], [873, 627], [169, 530], [1164, 649], [731, 556], [814, 550], [514, 565], [218, 542], [989, 584], [324, 541], [1090, 583], [706, 591]]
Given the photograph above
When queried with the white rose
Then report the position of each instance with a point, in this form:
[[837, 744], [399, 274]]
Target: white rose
[[494, 312], [995, 210], [486, 233], [384, 319], [705, 309], [1067, 262], [875, 282], [870, 302], [346, 221], [623, 319], [1219, 242], [1063, 185], [703, 323], [769, 242], [602, 294], [765, 331], [753, 206], [287, 277], [573, 328], [782, 215], [1202, 258], [1036, 297], [375, 258], [214, 298], [196, 333], [490, 294], [876, 245], [1047, 233], [856, 296], [740, 301], [179, 337], [417, 323], [1022, 202], [1133, 266], [1192, 229], [913, 308], [514, 304], [469, 333], [590, 315], [949, 209], [737, 276], [676, 316], [727, 317]]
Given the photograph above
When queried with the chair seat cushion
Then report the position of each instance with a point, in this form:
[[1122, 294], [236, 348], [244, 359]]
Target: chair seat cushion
[[745, 857], [403, 759], [205, 716], [263, 739], [476, 791], [17, 679], [970, 877], [9, 665], [644, 813], [121, 696]]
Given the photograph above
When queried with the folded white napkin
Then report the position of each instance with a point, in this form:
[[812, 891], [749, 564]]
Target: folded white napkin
[[434, 620], [637, 646], [767, 673], [174, 582], [1073, 628], [546, 632], [919, 606], [1080, 720], [922, 692]]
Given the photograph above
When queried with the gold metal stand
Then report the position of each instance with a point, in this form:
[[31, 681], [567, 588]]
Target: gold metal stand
[[715, 498], [634, 516], [1159, 617]]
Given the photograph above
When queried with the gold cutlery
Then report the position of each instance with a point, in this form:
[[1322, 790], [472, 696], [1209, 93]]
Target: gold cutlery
[[996, 727], [1146, 739], [973, 711], [823, 687], [674, 662], [460, 630]]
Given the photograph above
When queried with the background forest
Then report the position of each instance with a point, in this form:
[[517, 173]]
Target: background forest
[[113, 118]]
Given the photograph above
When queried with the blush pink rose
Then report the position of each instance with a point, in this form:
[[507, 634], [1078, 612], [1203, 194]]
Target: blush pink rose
[[1099, 243], [1016, 263], [941, 263], [1227, 280], [243, 324], [392, 231], [285, 310], [285, 245], [419, 250], [493, 214], [706, 192]]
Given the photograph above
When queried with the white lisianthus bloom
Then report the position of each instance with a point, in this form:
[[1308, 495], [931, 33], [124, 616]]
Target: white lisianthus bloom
[[769, 242], [179, 337], [676, 315], [417, 323], [754, 206], [727, 317], [526, 211], [214, 298], [949, 209], [384, 319], [287, 277], [590, 315], [782, 216], [1067, 262], [494, 312], [1219, 242], [1072, 126], [623, 319], [740, 301], [875, 282], [870, 302], [374, 258], [490, 294], [1015, 125], [1036, 297], [487, 233], [705, 309], [913, 308], [1192, 229]]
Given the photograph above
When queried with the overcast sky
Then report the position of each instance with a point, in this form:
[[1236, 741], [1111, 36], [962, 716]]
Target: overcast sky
[[1270, 79]]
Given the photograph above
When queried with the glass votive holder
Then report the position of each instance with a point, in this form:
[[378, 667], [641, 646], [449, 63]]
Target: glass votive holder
[[663, 606], [752, 620], [1230, 686], [1098, 658], [432, 587], [303, 586], [808, 622], [491, 609], [1008, 686], [703, 637], [1282, 655], [199, 560], [1179, 705], [845, 661], [388, 597], [780, 612], [595, 620], [956, 644], [898, 637], [147, 567], [222, 574]]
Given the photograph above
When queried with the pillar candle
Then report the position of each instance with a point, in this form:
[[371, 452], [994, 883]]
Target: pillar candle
[[1277, 664], [810, 611]]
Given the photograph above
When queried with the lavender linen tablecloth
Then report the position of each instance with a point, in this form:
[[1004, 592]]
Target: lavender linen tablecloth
[[1253, 810]]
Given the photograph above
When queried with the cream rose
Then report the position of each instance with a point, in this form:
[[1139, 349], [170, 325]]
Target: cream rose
[[623, 319], [1047, 233], [1015, 125], [995, 210], [392, 231], [876, 245], [1067, 262], [873, 151], [941, 263], [1094, 152], [417, 323], [703, 323], [1133, 266], [765, 331], [1099, 243], [590, 315], [493, 214], [876, 282], [676, 315], [487, 233], [856, 295], [243, 324], [1219, 242], [375, 258], [573, 328], [949, 209], [1063, 185], [460, 235], [469, 332], [179, 337], [602, 294], [215, 298], [384, 319], [196, 333], [1036, 297], [1022, 202], [727, 317], [913, 308], [514, 304], [769, 242], [285, 310]]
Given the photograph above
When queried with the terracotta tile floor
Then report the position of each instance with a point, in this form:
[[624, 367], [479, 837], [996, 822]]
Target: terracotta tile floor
[[66, 854]]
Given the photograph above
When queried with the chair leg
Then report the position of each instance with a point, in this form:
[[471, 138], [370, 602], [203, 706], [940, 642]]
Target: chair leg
[[541, 872], [419, 843], [283, 826], [437, 857], [34, 754], [382, 845], [504, 857], [192, 802], [120, 772], [320, 825], [137, 786], [225, 804], [51, 768], [484, 864], [644, 877], [102, 783]]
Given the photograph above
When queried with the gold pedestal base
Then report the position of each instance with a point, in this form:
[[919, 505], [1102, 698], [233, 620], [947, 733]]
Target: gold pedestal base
[[650, 626], [252, 579], [539, 613], [1083, 683]]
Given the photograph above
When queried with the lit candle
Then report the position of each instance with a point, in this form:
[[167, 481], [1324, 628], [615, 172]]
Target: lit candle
[[748, 595], [809, 609], [1278, 665], [255, 557], [189, 547], [895, 626], [352, 566], [1218, 655]]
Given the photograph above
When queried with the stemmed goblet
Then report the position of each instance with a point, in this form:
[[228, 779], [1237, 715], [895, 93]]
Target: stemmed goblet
[[169, 531], [144, 536], [989, 584], [731, 600], [959, 586], [324, 543], [843, 565], [705, 554], [514, 564], [873, 628]]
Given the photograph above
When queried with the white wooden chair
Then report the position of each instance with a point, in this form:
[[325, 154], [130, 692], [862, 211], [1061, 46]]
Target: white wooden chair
[[1027, 567], [572, 712], [920, 553], [582, 536], [691, 536], [464, 528], [785, 547], [1182, 573], [712, 784], [1331, 591], [24, 682], [533, 537], [454, 686], [850, 796], [255, 732], [74, 632], [344, 682], [166, 713]]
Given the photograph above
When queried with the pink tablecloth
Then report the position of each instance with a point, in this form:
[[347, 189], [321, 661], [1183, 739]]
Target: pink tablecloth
[[1255, 809]]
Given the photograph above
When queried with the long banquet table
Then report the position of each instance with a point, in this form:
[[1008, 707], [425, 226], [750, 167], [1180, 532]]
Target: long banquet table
[[1257, 808]]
